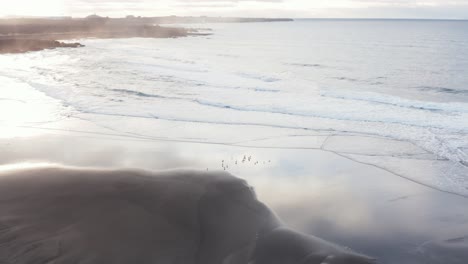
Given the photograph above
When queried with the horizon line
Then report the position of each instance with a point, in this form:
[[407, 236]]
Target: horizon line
[[243, 17]]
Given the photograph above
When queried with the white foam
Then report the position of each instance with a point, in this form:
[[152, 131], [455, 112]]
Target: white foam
[[396, 101]]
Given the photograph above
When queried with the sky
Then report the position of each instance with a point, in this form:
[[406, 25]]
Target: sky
[[430, 9]]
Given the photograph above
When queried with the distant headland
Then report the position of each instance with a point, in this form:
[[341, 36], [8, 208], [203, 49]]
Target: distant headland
[[33, 34]]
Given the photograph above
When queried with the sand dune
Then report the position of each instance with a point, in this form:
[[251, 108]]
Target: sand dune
[[63, 215]]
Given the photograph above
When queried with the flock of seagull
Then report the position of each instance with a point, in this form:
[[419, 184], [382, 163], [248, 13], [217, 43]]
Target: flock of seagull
[[245, 159]]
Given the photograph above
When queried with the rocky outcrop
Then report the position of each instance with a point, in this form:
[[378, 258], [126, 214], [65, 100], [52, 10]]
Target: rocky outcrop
[[23, 35], [15, 45]]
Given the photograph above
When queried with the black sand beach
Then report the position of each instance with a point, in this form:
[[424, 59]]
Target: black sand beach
[[70, 215], [362, 207]]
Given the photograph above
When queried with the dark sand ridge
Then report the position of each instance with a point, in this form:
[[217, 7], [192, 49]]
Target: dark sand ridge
[[63, 215]]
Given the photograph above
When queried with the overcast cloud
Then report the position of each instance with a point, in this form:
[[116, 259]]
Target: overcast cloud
[[455, 9]]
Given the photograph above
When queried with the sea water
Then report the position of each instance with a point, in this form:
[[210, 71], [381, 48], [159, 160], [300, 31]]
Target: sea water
[[365, 89]]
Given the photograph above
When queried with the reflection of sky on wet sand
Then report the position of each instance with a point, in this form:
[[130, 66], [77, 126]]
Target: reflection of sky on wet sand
[[360, 206], [23, 105]]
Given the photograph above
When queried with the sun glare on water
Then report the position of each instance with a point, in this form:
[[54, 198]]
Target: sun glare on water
[[21, 106], [25, 165]]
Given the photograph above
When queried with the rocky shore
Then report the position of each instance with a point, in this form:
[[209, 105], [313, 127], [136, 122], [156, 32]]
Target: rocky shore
[[13, 45], [23, 35]]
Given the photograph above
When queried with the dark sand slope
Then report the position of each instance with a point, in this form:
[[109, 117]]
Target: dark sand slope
[[59, 215]]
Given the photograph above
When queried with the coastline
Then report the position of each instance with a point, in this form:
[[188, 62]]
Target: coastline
[[36, 41], [23, 35], [19, 45]]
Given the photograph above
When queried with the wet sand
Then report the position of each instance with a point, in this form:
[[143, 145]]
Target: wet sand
[[363, 207]]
